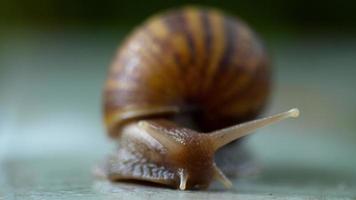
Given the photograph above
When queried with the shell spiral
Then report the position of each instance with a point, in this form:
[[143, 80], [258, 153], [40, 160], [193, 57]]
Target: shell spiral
[[193, 60]]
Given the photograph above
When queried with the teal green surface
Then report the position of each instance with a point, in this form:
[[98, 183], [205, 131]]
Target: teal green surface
[[51, 134]]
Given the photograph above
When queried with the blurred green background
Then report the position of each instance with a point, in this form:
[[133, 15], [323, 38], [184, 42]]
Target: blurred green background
[[53, 62], [266, 16]]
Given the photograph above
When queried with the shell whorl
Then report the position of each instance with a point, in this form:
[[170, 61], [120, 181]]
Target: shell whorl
[[191, 57]]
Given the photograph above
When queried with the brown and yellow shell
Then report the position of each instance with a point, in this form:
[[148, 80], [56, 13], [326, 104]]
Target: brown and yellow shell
[[194, 60]]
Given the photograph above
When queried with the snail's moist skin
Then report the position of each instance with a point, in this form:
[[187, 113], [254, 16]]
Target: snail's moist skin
[[141, 156], [159, 151]]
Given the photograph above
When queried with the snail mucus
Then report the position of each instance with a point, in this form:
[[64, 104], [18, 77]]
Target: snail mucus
[[195, 62]]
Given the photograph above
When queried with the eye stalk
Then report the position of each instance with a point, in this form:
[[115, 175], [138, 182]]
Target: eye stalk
[[224, 136]]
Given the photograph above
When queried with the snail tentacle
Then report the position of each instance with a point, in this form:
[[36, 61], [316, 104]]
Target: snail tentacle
[[183, 178], [227, 135], [220, 176], [161, 136]]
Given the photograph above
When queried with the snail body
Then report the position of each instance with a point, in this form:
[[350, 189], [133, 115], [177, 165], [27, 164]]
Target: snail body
[[191, 61]]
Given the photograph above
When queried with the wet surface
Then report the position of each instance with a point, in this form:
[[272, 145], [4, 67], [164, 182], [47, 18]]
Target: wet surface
[[51, 133]]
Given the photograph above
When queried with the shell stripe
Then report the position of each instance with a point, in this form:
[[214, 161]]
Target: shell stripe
[[194, 28], [226, 74], [230, 45], [217, 47], [165, 54], [176, 23]]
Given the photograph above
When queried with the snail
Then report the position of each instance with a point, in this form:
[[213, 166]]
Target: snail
[[191, 63]]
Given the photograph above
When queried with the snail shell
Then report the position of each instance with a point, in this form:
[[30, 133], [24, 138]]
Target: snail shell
[[191, 61]]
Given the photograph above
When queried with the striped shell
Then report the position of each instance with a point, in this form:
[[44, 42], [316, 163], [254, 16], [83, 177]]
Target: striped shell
[[192, 60]]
